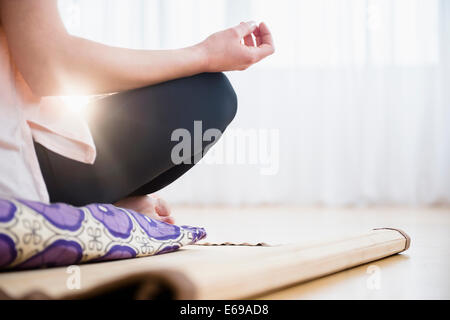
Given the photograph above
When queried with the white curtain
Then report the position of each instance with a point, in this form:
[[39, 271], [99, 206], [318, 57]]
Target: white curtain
[[356, 98]]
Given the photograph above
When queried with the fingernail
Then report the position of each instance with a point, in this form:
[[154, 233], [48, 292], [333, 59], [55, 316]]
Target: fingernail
[[251, 23]]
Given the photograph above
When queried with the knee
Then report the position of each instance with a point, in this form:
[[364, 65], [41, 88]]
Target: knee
[[223, 99]]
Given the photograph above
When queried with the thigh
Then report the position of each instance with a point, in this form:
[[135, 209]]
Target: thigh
[[132, 131]]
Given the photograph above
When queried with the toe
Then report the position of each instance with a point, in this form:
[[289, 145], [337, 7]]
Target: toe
[[162, 208], [168, 220]]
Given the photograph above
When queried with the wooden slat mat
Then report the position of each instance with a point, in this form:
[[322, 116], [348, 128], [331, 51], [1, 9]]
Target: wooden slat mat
[[207, 271]]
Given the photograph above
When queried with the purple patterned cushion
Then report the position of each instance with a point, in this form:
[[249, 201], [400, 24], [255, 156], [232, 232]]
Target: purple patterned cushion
[[37, 235]]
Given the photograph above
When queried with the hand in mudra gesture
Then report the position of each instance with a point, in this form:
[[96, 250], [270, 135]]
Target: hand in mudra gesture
[[236, 49]]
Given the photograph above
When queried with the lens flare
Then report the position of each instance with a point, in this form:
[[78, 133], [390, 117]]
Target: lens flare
[[77, 104]]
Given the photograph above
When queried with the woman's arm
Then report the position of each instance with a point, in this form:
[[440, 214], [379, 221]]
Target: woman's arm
[[55, 63]]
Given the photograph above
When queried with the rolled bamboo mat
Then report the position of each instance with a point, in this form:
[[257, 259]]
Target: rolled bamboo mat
[[207, 271]]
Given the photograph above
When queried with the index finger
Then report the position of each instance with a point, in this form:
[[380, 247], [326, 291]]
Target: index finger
[[245, 28]]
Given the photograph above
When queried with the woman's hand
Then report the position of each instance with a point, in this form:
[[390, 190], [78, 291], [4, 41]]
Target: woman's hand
[[235, 48]]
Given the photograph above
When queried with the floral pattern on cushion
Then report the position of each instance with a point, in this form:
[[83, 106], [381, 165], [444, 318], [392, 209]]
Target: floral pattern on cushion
[[37, 235]]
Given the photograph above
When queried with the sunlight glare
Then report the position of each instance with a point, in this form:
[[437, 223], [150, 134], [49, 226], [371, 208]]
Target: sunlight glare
[[76, 104]]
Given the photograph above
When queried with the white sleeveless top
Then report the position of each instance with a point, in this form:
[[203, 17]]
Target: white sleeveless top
[[24, 117]]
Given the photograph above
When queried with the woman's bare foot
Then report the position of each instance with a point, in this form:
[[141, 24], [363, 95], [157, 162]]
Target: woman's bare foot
[[151, 206]]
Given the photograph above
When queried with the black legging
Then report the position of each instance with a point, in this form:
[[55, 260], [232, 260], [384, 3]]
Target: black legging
[[132, 131]]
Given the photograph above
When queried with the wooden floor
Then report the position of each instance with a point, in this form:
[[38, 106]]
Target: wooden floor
[[420, 273]]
